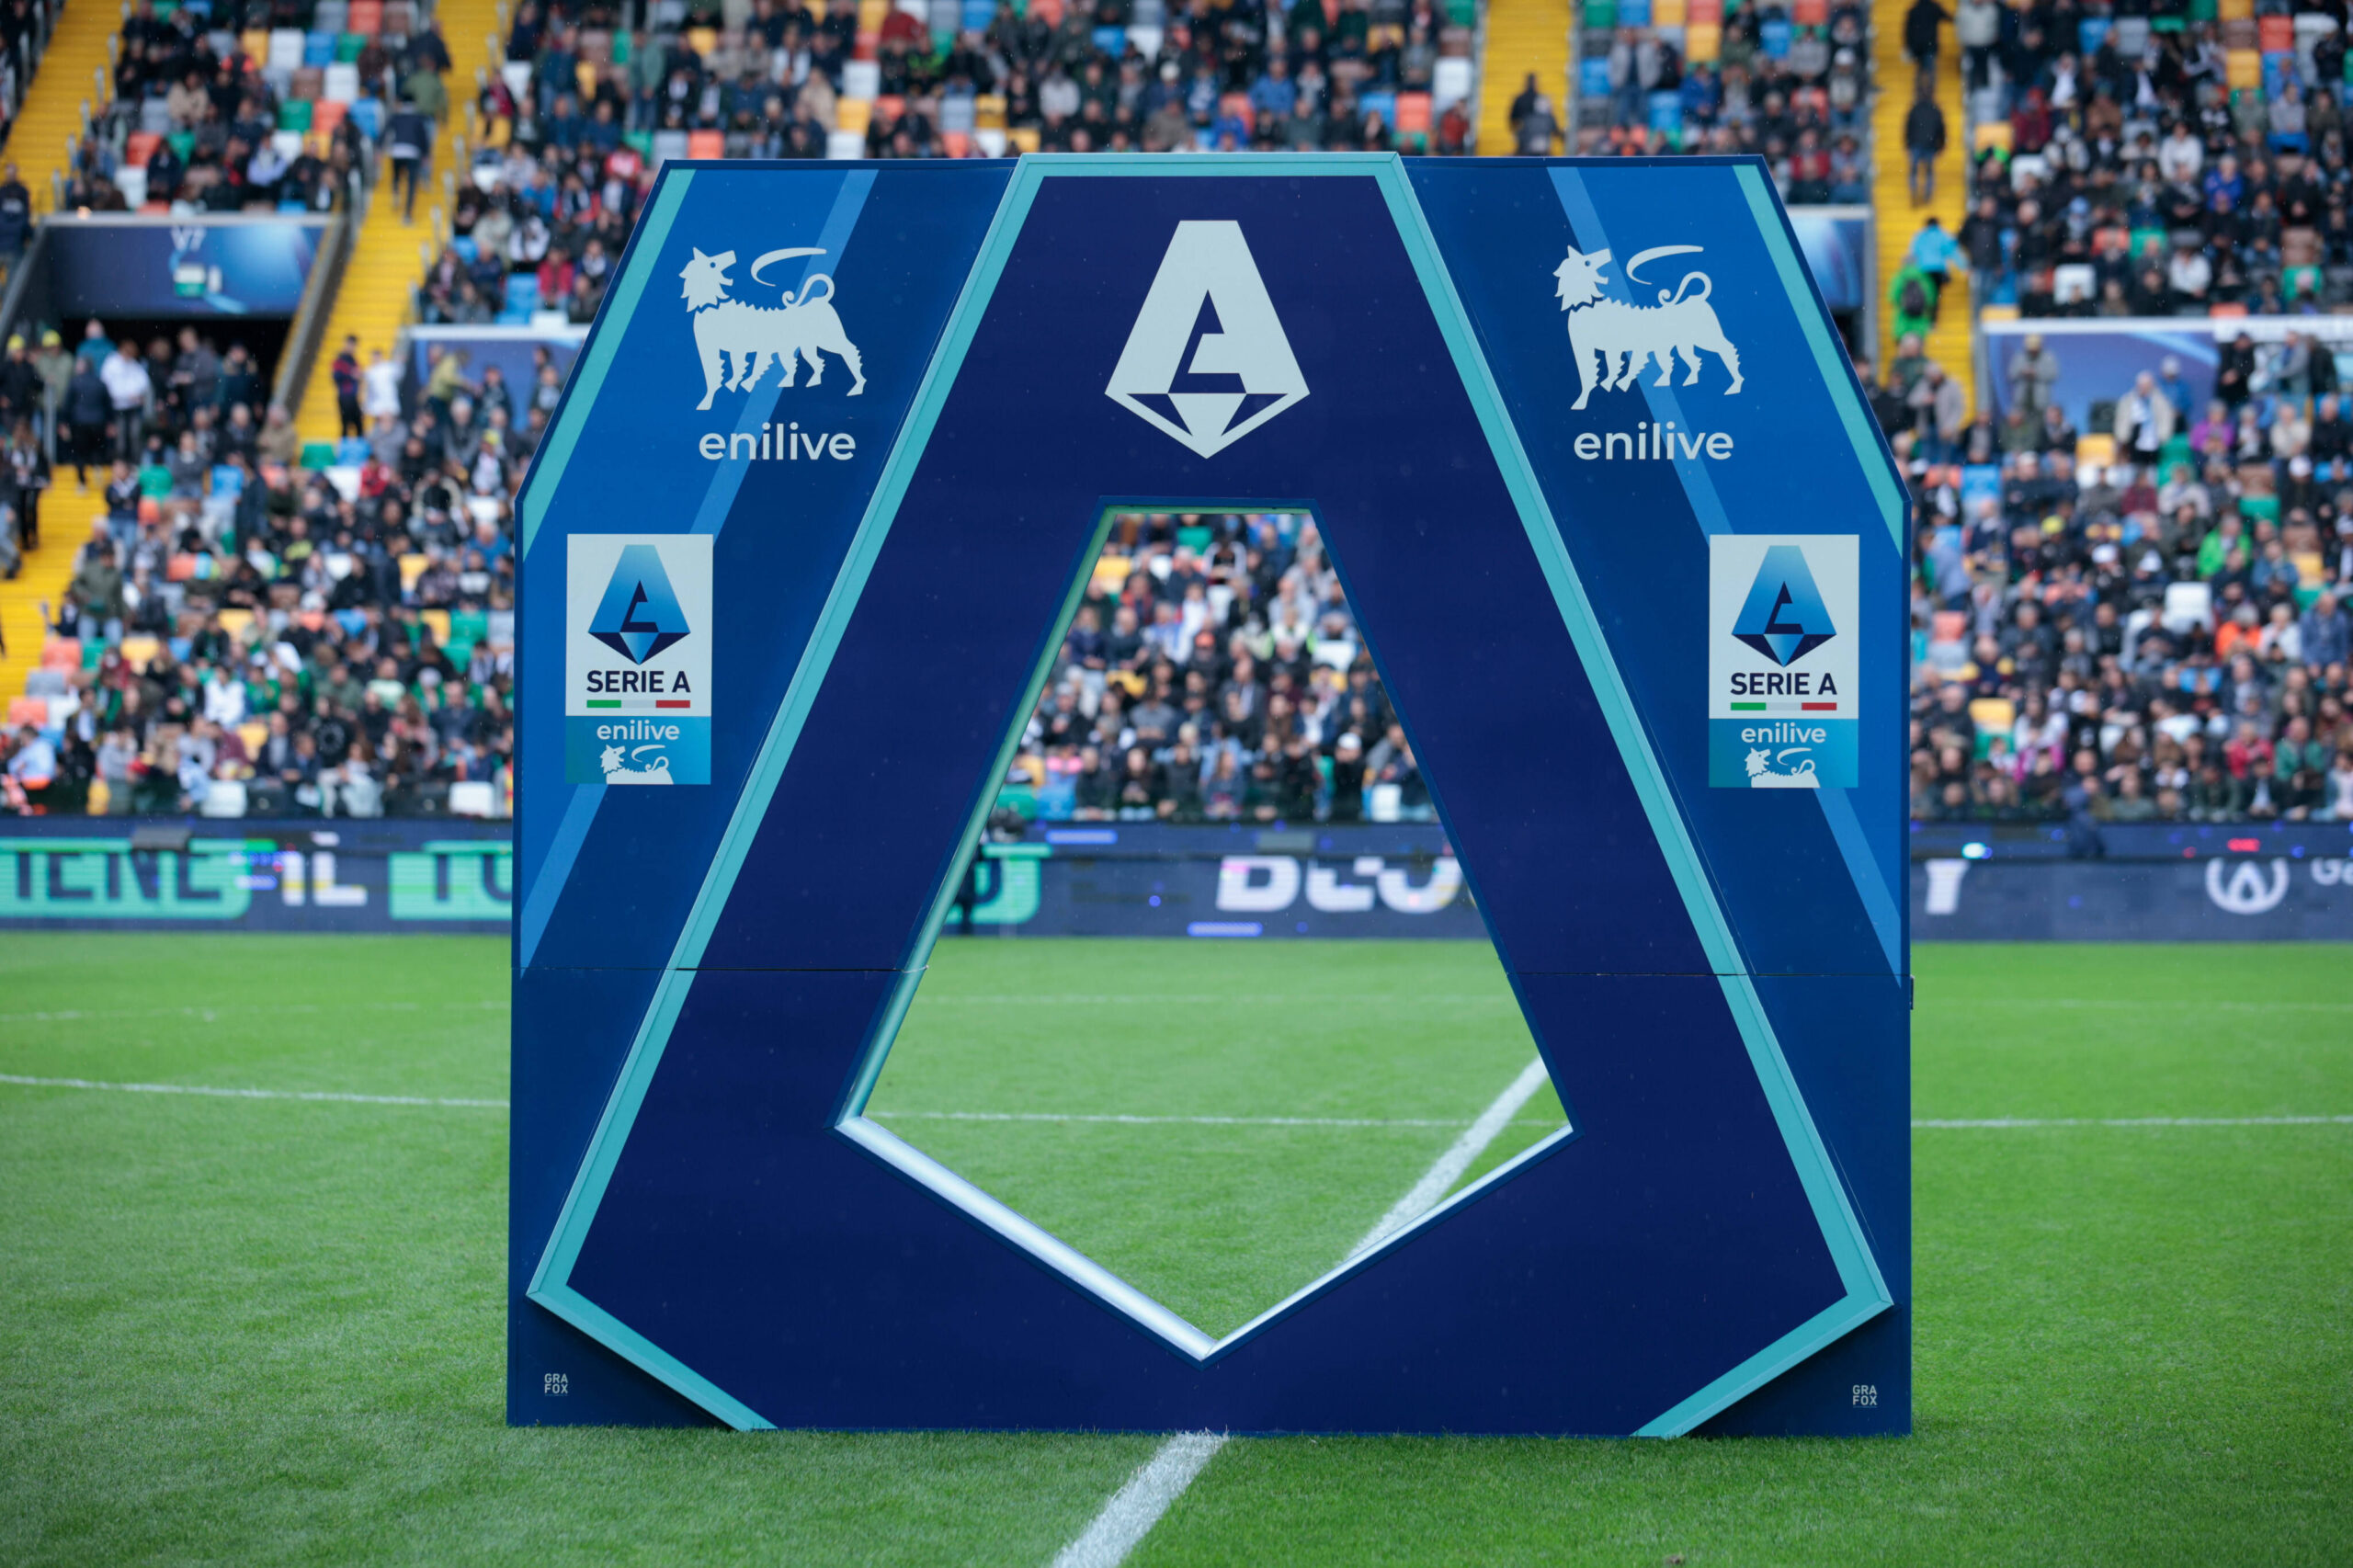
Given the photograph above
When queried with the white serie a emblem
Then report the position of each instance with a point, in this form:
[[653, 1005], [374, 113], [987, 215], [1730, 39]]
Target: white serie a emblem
[[1626, 338], [1207, 361], [804, 326]]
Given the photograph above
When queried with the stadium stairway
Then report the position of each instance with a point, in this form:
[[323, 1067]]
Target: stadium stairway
[[1522, 36], [38, 143], [379, 278], [68, 78], [66, 513], [1898, 219]]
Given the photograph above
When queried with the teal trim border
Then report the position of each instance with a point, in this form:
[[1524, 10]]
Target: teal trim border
[[1867, 1292], [550, 1281], [654, 231], [1180, 1332], [1842, 1233], [1837, 374], [1871, 885], [554, 872], [903, 994]]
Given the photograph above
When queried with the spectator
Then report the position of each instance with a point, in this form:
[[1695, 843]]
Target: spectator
[[408, 142], [352, 420], [1934, 252], [15, 215], [129, 388], [1923, 22], [88, 412], [1923, 132], [2033, 376]]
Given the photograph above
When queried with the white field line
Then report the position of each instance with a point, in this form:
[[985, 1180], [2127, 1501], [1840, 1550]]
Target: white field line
[[209, 1015], [1128, 1516], [1440, 1177], [1996, 1124], [2130, 1002], [2002, 1122], [211, 1093]]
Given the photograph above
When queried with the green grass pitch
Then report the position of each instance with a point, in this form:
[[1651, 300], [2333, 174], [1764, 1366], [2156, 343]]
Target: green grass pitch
[[261, 1331]]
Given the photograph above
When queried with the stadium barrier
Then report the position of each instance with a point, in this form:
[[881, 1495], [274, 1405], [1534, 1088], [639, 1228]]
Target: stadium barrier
[[2184, 882], [101, 874]]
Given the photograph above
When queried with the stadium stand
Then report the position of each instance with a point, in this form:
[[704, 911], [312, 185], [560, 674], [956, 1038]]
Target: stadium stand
[[70, 45], [245, 634], [579, 117], [2097, 641], [374, 301], [237, 620], [1213, 673], [2128, 607]]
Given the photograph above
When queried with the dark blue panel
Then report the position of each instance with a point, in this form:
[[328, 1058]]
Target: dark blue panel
[[1387, 449], [1639, 544], [1844, 1041], [1665, 1243], [637, 471], [572, 1029]]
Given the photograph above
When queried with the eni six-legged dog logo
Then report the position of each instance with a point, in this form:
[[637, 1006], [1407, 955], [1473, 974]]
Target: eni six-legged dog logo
[[1626, 338], [804, 326]]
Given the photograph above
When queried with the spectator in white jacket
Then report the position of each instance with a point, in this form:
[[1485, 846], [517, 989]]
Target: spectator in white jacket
[[225, 698], [2144, 420], [128, 390], [2180, 156]]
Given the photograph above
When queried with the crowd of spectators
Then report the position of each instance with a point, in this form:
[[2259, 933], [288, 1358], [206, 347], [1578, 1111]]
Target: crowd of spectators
[[228, 106], [1213, 673], [256, 626], [2149, 624], [2165, 165], [1789, 83], [585, 111]]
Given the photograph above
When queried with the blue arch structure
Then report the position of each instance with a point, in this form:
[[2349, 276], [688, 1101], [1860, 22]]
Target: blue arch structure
[[703, 1227]]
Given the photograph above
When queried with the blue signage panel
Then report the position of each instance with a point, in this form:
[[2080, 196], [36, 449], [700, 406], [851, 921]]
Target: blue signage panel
[[1583, 450], [145, 268]]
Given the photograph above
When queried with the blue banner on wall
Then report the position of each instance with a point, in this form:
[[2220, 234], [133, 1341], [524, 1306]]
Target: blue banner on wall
[[2277, 898], [154, 267]]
